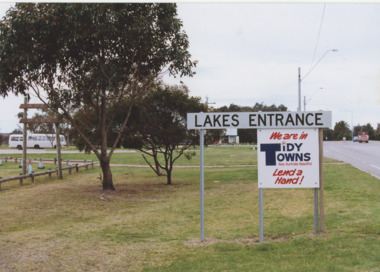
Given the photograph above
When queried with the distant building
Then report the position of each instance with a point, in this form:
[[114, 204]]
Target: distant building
[[230, 137]]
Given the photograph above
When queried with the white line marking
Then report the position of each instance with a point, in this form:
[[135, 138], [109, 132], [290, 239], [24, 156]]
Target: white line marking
[[375, 166]]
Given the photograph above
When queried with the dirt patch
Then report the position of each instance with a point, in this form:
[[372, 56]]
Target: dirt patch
[[207, 241], [252, 240], [211, 241]]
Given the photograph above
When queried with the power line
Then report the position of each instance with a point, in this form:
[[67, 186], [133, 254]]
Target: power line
[[319, 33]]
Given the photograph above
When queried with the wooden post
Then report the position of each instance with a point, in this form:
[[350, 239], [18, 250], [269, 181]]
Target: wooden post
[[58, 144], [20, 181], [321, 185], [69, 170], [32, 177], [24, 136], [49, 173], [76, 168]]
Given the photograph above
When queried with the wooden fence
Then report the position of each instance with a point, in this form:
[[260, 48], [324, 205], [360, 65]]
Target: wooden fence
[[49, 172]]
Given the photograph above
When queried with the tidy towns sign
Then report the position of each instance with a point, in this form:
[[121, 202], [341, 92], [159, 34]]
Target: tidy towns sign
[[288, 158], [247, 120]]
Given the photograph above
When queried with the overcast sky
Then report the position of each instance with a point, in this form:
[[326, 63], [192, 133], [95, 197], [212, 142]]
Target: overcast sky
[[250, 52]]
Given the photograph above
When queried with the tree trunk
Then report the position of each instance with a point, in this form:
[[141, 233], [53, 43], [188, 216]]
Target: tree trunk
[[169, 177], [157, 164], [104, 158], [107, 176]]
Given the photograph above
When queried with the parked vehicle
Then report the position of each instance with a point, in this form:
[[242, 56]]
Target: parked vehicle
[[363, 137], [35, 141]]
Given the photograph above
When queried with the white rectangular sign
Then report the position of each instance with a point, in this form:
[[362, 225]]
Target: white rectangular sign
[[246, 120], [288, 158]]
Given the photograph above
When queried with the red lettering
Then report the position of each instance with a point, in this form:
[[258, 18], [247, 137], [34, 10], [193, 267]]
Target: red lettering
[[293, 136], [276, 136], [281, 180], [284, 172]]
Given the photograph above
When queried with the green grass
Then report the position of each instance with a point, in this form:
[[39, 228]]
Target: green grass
[[214, 155], [70, 225]]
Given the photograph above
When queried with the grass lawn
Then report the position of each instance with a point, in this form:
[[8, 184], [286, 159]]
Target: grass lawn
[[70, 225]]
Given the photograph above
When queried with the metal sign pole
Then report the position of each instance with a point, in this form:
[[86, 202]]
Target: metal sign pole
[[261, 231], [316, 210], [321, 184], [201, 143]]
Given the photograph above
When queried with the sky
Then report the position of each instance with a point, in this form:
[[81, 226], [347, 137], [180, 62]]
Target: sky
[[252, 52]]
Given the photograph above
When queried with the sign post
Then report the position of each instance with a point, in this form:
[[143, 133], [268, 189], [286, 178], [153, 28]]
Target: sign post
[[261, 224], [202, 185], [290, 150]]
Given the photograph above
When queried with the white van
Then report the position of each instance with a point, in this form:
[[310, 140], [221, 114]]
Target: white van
[[35, 141]]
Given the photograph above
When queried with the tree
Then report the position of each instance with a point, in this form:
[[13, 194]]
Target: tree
[[46, 128], [158, 127], [377, 132], [328, 134], [93, 55], [342, 129], [16, 131]]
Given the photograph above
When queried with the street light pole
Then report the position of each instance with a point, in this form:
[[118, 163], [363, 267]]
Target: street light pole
[[299, 89], [311, 69]]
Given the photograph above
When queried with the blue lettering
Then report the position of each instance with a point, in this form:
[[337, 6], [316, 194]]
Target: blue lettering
[[270, 152]]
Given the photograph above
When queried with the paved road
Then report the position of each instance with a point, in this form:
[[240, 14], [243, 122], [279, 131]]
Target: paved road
[[363, 156]]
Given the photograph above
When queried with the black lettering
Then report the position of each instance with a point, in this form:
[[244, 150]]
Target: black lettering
[[225, 120], [196, 121], [289, 120], [236, 120], [262, 120], [300, 119], [207, 121], [307, 119], [252, 120], [279, 118], [318, 117], [270, 118], [216, 120]]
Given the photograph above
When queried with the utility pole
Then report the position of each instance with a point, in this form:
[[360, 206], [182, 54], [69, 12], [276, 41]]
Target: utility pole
[[208, 103], [311, 69]]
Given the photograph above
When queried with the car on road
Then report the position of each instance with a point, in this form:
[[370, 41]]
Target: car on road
[[355, 139], [363, 137]]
